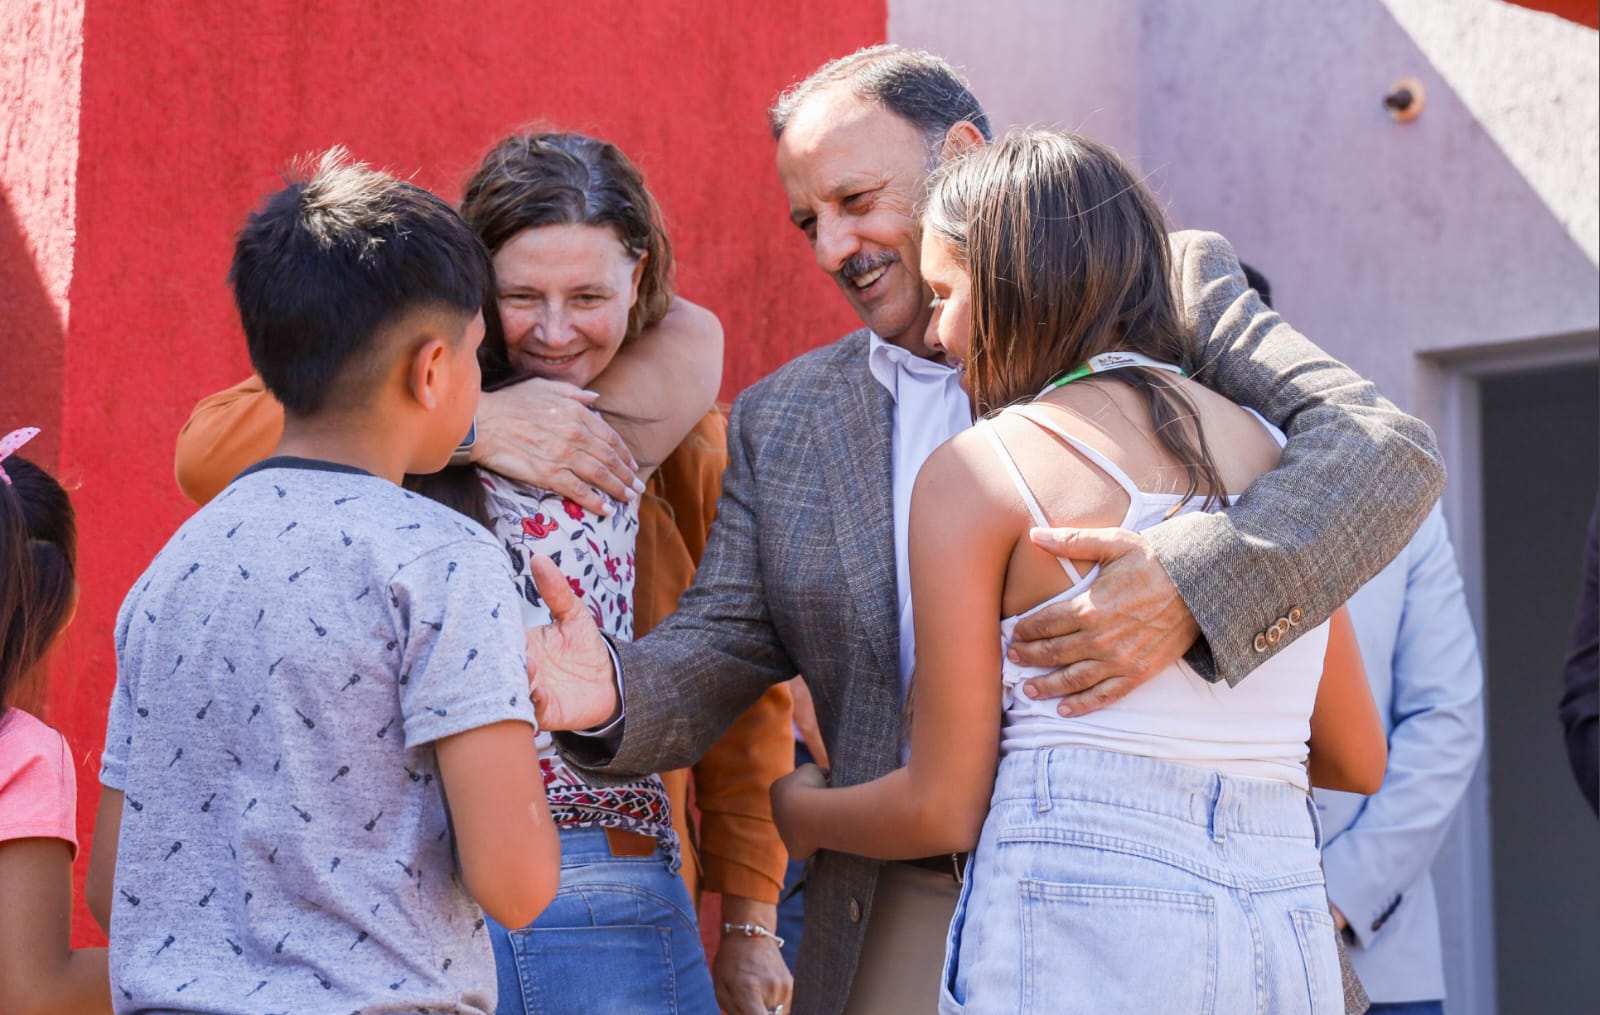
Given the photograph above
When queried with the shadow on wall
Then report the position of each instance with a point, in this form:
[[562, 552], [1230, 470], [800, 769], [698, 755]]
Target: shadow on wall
[[32, 350]]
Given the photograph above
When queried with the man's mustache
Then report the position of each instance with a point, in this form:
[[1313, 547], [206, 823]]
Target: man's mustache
[[860, 264]]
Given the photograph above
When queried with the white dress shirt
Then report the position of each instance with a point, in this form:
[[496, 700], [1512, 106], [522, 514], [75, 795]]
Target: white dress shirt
[[929, 409]]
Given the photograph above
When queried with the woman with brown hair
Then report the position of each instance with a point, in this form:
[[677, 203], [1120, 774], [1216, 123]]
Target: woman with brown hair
[[1160, 854], [584, 302]]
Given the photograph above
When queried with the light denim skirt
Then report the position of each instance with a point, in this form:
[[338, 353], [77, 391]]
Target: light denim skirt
[[1107, 882]]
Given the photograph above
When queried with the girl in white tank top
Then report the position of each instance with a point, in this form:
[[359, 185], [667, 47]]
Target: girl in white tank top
[[1171, 828]]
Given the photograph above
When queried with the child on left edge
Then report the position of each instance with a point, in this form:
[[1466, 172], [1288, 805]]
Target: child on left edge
[[39, 970]]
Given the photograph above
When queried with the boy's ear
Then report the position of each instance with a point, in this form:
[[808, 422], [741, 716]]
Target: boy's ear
[[429, 371]]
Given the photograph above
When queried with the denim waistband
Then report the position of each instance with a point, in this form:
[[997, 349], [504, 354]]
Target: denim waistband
[[1186, 793]]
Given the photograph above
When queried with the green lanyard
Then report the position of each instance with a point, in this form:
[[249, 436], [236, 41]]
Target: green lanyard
[[1110, 361]]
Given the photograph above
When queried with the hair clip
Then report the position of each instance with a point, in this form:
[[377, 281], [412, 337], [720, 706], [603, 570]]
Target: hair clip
[[11, 442]]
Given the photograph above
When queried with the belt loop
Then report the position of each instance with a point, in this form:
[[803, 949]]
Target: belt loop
[[1041, 780], [1219, 800], [1316, 820]]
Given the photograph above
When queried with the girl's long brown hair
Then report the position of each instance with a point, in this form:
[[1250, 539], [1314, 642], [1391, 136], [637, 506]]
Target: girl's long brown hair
[[38, 574], [1068, 257]]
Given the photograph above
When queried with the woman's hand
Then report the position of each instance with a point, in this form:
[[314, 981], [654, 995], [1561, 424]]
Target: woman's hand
[[788, 795], [749, 972], [544, 433]]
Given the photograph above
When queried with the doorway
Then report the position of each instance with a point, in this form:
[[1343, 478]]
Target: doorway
[[1539, 464]]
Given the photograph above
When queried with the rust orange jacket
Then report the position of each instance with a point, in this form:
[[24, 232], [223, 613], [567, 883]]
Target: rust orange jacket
[[736, 849]]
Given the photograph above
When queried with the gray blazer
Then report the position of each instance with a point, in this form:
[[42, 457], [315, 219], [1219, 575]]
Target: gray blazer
[[799, 574]]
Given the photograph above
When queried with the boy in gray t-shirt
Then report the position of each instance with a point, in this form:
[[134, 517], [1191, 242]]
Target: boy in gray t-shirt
[[318, 658]]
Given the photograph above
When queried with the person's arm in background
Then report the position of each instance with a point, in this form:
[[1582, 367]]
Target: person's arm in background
[[1580, 702], [540, 432], [1435, 740], [677, 361], [741, 853], [40, 972], [1348, 750], [1356, 479]]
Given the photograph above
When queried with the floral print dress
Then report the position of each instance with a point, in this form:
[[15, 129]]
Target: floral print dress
[[596, 555]]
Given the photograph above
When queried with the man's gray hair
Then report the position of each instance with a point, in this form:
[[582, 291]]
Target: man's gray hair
[[913, 84]]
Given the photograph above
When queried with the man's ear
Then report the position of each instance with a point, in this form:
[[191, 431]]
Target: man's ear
[[961, 138], [428, 372]]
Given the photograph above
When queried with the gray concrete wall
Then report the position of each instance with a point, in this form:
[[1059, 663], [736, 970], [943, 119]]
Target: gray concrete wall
[[1263, 120], [1069, 64]]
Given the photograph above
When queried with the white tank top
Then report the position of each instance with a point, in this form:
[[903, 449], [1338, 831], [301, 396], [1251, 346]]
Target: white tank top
[[1257, 729]]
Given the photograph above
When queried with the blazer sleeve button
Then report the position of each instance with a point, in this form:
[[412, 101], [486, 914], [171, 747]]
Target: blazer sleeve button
[[1296, 615], [1273, 635], [1261, 643], [855, 911]]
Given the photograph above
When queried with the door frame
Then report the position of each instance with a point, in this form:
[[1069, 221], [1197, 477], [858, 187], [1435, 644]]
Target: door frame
[[1448, 397]]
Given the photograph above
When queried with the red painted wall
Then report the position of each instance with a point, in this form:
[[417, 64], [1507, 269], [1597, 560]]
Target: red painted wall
[[188, 109], [1584, 12]]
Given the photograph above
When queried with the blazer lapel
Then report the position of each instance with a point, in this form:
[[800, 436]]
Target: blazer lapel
[[861, 487]]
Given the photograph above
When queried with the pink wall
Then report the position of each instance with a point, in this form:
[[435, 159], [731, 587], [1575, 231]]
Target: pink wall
[[188, 109]]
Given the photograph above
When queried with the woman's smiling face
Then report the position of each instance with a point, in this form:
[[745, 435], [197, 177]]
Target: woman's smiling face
[[564, 293]]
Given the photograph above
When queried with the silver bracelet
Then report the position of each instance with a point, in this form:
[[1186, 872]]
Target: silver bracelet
[[751, 930]]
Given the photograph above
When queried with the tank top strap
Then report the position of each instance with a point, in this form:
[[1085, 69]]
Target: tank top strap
[[1028, 498], [1100, 461], [1272, 431]]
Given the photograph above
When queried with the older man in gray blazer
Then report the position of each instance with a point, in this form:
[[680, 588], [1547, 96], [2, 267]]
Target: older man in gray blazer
[[805, 571]]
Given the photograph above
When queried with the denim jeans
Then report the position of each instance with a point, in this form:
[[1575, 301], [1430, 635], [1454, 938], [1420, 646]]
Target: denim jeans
[[1407, 1008], [1110, 882], [621, 937]]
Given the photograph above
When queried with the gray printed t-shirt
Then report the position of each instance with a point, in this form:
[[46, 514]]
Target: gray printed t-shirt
[[283, 668]]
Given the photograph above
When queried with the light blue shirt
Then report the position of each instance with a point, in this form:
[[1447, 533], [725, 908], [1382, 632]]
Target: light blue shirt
[[1421, 656]]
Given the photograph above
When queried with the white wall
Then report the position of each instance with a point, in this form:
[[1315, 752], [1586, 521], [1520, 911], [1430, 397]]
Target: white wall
[[1072, 65]]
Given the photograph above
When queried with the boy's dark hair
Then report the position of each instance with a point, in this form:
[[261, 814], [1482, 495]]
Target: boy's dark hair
[[38, 564], [328, 261]]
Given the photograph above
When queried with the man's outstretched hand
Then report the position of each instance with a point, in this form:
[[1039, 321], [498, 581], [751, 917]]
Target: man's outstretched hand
[[569, 666], [1124, 629]]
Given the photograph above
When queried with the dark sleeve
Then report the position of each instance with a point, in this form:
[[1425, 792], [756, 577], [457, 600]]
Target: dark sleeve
[[1355, 481], [1580, 702], [686, 681]]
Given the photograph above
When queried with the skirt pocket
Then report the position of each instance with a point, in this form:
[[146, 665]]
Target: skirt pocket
[[951, 991], [1114, 948]]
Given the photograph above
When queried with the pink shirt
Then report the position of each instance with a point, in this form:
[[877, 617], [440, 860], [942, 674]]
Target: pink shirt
[[38, 787]]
